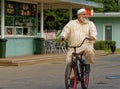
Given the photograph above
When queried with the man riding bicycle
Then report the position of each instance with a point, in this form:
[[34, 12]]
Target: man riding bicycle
[[75, 31]]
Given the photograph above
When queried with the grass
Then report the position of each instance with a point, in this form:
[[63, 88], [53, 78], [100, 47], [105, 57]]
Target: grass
[[116, 51]]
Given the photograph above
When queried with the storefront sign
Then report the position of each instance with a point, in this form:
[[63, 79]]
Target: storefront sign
[[50, 35]]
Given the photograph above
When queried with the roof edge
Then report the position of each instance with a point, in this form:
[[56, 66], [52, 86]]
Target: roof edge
[[87, 3], [107, 14]]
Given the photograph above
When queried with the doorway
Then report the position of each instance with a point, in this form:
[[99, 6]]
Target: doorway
[[108, 32]]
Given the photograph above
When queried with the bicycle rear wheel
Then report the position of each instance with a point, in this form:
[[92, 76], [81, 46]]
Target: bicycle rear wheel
[[85, 81], [70, 76]]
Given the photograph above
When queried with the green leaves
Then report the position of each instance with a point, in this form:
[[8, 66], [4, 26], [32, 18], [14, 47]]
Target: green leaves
[[61, 17], [109, 6]]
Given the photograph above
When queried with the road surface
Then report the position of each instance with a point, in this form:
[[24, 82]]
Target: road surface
[[50, 75]]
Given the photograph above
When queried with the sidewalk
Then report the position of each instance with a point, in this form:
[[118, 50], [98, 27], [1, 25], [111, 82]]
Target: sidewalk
[[35, 59], [31, 59]]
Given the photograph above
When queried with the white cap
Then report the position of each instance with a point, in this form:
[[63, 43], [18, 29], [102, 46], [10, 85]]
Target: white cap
[[81, 10]]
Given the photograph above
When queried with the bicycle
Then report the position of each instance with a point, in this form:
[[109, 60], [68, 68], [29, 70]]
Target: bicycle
[[75, 70]]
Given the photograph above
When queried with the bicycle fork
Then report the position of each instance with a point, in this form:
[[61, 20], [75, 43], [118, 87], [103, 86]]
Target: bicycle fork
[[77, 70], [82, 72]]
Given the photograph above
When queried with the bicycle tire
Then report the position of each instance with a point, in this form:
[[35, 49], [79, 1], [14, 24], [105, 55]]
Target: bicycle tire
[[85, 81], [68, 71]]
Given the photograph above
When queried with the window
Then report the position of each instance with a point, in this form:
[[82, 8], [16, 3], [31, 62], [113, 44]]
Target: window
[[20, 18], [9, 8], [19, 30], [9, 30]]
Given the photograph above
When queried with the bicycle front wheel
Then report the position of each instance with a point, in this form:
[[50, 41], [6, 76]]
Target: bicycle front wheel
[[85, 81], [70, 77]]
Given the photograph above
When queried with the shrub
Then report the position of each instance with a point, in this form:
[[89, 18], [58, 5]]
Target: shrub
[[104, 45]]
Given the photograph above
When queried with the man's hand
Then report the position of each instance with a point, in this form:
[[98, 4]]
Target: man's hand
[[92, 38], [62, 38]]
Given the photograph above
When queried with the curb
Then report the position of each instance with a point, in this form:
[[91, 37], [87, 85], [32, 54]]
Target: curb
[[31, 59], [40, 58]]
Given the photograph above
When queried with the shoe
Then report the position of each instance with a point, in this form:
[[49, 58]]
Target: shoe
[[87, 68], [71, 83]]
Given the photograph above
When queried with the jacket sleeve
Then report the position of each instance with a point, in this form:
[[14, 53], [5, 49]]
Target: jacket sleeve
[[66, 30], [93, 31]]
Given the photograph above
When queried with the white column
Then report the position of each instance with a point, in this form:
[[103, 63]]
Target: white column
[[2, 19], [42, 19], [70, 13]]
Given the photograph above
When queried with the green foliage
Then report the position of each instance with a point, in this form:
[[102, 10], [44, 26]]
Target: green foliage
[[104, 45], [109, 6], [74, 13], [56, 19], [98, 9]]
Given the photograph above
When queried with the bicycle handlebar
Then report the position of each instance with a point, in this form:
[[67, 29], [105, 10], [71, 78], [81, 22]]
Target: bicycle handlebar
[[86, 38]]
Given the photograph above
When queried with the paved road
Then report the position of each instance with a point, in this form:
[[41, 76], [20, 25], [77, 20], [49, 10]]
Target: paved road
[[50, 75]]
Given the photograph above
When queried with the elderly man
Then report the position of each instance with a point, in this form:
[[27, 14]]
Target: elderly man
[[75, 31]]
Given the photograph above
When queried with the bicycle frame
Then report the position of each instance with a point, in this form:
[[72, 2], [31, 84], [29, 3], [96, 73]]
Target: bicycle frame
[[79, 67]]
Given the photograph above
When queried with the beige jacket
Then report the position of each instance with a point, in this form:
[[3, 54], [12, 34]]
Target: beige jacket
[[76, 32]]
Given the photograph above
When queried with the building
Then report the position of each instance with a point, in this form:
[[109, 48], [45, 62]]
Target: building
[[108, 26], [19, 22]]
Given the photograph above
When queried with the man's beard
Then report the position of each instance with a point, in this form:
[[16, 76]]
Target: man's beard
[[84, 20]]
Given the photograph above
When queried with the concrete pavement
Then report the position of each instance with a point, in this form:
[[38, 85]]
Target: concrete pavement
[[31, 59], [39, 58]]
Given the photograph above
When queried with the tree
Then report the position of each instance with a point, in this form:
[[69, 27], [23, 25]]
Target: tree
[[98, 9], [109, 6], [56, 19]]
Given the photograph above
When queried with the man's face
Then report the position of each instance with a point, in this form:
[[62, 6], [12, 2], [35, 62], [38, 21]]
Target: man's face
[[83, 17]]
